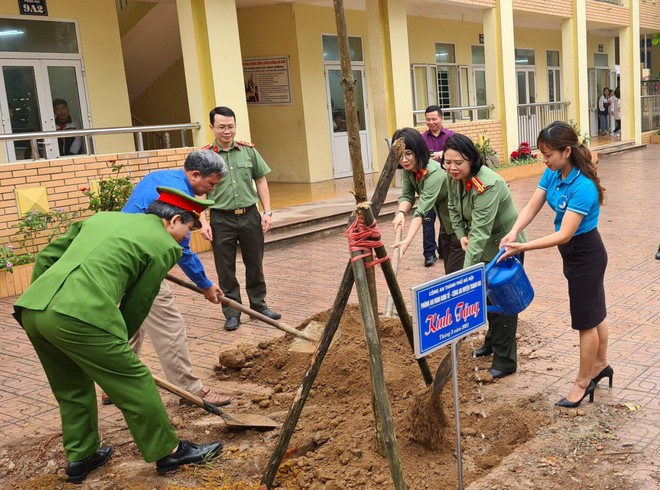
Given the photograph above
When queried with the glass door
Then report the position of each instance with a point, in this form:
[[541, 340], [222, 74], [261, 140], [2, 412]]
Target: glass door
[[479, 77], [31, 93], [528, 121], [341, 159]]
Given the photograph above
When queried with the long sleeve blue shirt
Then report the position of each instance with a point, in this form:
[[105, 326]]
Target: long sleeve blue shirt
[[145, 193]]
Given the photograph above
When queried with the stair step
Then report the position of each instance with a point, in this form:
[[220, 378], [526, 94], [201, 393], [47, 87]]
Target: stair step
[[288, 234], [614, 148]]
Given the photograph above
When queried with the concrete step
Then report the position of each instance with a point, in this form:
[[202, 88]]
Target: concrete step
[[285, 234], [618, 147]]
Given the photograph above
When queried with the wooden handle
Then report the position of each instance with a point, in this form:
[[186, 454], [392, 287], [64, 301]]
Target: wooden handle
[[186, 395], [244, 309]]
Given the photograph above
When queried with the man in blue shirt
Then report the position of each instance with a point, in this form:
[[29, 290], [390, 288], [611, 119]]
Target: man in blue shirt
[[201, 172]]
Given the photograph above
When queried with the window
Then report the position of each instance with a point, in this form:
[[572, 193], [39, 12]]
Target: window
[[38, 36], [479, 79], [331, 48], [600, 60], [444, 53], [554, 77], [525, 57]]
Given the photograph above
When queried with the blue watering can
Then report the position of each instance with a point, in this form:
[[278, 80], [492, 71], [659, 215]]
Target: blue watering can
[[508, 287]]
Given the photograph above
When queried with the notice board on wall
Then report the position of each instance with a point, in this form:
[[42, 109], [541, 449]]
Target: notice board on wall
[[267, 80]]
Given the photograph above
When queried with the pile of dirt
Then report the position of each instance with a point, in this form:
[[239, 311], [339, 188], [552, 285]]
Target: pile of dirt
[[334, 444]]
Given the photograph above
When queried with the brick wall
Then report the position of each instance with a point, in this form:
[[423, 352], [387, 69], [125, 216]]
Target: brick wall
[[557, 8], [478, 3], [646, 137], [607, 13], [490, 127], [649, 14], [63, 179]]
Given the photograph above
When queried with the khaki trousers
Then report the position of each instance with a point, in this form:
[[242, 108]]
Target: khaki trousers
[[167, 331]]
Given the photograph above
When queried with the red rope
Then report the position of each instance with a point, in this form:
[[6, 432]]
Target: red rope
[[363, 238]]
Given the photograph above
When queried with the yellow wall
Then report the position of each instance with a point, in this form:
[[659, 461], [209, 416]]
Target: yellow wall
[[107, 93], [164, 102], [278, 131], [424, 32], [608, 49], [311, 23], [540, 41]]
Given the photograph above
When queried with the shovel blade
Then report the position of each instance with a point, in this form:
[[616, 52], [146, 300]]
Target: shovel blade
[[249, 421]]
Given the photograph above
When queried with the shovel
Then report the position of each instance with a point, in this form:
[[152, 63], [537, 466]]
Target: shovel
[[235, 420], [244, 309]]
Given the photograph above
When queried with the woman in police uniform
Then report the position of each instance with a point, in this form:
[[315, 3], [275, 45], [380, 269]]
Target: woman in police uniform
[[572, 189], [482, 212], [424, 177]]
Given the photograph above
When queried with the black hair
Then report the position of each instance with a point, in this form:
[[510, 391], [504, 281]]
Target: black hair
[[415, 143], [464, 145], [57, 102], [434, 108], [206, 162], [617, 93], [168, 211], [558, 136], [221, 111]]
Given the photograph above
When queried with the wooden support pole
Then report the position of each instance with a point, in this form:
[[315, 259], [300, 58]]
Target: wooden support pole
[[329, 331], [382, 412], [399, 302], [389, 305]]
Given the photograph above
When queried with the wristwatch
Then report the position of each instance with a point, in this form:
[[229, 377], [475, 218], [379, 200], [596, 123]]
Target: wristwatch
[[268, 213]]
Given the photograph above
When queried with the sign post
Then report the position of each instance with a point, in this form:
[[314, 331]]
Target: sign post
[[444, 311]]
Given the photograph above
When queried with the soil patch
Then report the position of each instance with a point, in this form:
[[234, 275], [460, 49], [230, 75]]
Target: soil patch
[[333, 446]]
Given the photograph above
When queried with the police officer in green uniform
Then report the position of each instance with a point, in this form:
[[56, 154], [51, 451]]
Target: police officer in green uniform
[[482, 213], [424, 177], [235, 218], [70, 315]]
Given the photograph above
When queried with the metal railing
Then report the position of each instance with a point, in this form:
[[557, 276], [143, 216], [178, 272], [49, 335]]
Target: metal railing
[[532, 118], [37, 142], [153, 141], [650, 112], [458, 114]]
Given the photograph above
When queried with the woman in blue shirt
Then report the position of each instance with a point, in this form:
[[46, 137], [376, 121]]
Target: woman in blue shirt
[[573, 190]]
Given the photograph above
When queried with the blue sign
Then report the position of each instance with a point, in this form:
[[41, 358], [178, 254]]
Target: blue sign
[[448, 309]]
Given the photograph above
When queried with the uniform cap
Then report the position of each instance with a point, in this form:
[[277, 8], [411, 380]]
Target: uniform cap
[[180, 199]]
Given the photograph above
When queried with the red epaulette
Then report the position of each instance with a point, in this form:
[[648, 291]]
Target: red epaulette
[[477, 184], [244, 143], [210, 147]]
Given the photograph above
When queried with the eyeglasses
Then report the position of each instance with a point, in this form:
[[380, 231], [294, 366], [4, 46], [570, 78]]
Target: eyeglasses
[[407, 155], [222, 129]]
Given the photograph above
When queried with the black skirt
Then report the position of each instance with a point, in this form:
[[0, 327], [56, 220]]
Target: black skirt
[[585, 260]]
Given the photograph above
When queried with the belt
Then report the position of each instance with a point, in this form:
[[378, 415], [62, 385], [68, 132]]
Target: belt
[[236, 211]]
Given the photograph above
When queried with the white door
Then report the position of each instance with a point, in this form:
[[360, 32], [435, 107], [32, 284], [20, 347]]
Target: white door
[[341, 159], [528, 120], [27, 91]]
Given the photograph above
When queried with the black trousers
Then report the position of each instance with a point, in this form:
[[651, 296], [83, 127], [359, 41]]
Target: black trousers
[[452, 252], [230, 231]]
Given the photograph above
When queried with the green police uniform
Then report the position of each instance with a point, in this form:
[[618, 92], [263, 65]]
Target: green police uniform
[[70, 315], [235, 219], [484, 211], [432, 190]]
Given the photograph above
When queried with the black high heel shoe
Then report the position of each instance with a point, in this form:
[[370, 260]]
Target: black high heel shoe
[[608, 372], [569, 404]]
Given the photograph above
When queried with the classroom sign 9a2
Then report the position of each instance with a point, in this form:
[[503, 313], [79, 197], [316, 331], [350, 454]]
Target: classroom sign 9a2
[[448, 308]]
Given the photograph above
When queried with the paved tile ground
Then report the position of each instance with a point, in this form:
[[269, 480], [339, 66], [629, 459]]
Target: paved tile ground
[[303, 280]]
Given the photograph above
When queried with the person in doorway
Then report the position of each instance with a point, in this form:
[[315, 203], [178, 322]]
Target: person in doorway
[[201, 172], [424, 177], [482, 213], [571, 187], [235, 218], [63, 122], [338, 123], [604, 112], [615, 111], [435, 138], [71, 317]]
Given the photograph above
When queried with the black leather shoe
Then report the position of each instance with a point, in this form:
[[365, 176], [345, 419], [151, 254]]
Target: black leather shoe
[[496, 373], [232, 323], [188, 453], [429, 261], [78, 470], [657, 254], [483, 351], [269, 313]]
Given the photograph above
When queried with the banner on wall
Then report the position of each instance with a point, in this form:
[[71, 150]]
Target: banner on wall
[[267, 81]]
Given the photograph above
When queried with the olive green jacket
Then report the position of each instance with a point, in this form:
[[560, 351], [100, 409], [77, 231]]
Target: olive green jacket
[[485, 214], [106, 260], [432, 192]]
